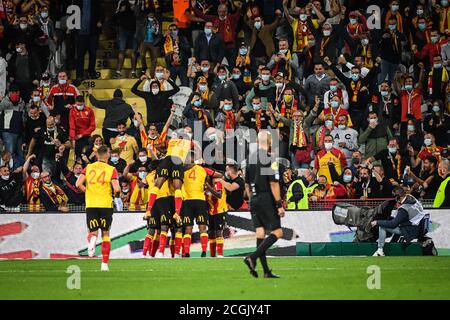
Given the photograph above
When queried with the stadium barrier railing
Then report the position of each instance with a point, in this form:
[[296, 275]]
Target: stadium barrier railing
[[320, 205]]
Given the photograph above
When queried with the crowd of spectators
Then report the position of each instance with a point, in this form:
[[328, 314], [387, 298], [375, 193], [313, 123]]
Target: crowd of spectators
[[359, 99]]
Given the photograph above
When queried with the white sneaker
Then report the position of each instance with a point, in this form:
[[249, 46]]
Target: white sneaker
[[177, 256], [159, 255], [379, 253], [104, 267], [219, 256], [91, 246]]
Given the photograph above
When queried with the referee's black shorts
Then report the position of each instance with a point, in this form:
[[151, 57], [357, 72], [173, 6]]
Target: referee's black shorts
[[264, 212], [99, 218]]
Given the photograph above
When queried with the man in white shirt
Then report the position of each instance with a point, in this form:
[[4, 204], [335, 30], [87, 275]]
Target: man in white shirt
[[345, 138]]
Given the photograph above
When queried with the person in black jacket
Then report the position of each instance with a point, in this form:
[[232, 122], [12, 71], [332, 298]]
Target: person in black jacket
[[11, 194], [70, 178], [367, 187], [209, 46], [158, 102], [52, 196], [116, 111]]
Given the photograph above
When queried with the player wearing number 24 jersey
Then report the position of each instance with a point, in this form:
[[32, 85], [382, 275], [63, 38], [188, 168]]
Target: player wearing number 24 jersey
[[101, 181]]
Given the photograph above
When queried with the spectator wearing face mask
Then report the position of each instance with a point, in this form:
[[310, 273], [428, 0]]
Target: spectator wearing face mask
[[336, 109], [142, 160], [429, 149], [387, 106], [45, 44], [316, 84], [26, 29], [326, 191], [125, 192], [31, 184], [35, 120], [412, 138], [255, 118], [138, 187], [391, 47], [224, 88], [148, 33], [356, 162], [375, 136], [429, 50], [393, 160], [116, 111], [284, 61], [345, 138], [81, 124], [158, 103], [329, 156], [226, 118], [437, 122], [12, 109], [323, 130], [24, 69], [52, 196], [46, 142], [160, 71], [209, 47], [438, 78], [62, 98], [126, 143], [241, 86], [347, 179], [116, 161], [90, 152], [336, 90], [11, 186], [195, 114]]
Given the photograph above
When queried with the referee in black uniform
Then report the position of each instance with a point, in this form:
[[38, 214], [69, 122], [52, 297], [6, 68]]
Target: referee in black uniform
[[263, 189]]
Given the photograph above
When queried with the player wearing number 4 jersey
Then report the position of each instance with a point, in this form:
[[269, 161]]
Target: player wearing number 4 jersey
[[171, 167], [217, 207], [194, 205], [101, 181]]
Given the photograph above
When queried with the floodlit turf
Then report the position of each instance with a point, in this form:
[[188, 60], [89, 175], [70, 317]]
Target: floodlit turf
[[302, 278]]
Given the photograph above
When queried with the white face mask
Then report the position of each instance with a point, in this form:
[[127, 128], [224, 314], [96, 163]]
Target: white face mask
[[62, 81], [326, 33], [265, 77], [428, 142], [80, 107], [6, 178], [142, 175], [284, 51], [35, 175], [159, 75], [155, 91], [303, 17], [23, 26], [36, 99], [342, 126], [279, 85], [143, 159], [328, 145]]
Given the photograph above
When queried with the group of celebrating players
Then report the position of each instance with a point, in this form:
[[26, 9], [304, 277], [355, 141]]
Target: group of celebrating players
[[180, 191]]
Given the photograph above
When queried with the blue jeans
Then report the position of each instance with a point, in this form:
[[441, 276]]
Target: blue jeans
[[13, 143], [382, 235]]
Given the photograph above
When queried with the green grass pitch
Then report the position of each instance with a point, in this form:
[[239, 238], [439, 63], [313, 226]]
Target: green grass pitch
[[195, 278]]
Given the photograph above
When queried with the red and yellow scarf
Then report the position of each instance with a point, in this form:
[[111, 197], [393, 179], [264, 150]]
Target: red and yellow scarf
[[57, 196], [230, 120], [355, 88]]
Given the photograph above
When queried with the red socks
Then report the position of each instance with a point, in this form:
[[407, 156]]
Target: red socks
[[186, 244], [90, 235], [220, 242], [106, 249], [204, 241], [154, 246], [178, 241], [178, 201], [172, 247], [162, 242], [212, 247], [152, 198], [147, 244]]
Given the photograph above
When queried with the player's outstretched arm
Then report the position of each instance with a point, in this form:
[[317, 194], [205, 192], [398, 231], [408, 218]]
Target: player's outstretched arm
[[80, 183]]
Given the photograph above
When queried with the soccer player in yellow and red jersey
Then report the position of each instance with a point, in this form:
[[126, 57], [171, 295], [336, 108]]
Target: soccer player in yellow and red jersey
[[171, 167], [101, 181], [194, 204], [217, 207]]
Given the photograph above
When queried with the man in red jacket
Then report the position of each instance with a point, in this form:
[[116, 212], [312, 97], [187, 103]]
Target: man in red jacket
[[81, 125]]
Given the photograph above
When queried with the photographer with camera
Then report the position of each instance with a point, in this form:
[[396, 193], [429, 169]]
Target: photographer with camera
[[406, 221]]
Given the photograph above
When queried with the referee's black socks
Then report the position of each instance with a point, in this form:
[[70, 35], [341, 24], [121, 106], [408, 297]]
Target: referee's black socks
[[262, 258], [263, 247]]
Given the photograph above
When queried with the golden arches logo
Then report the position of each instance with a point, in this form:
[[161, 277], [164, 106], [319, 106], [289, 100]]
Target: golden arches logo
[[103, 222], [186, 220], [164, 172], [93, 223], [176, 173], [201, 219]]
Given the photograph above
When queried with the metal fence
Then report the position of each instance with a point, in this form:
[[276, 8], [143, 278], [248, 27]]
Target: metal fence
[[313, 206]]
